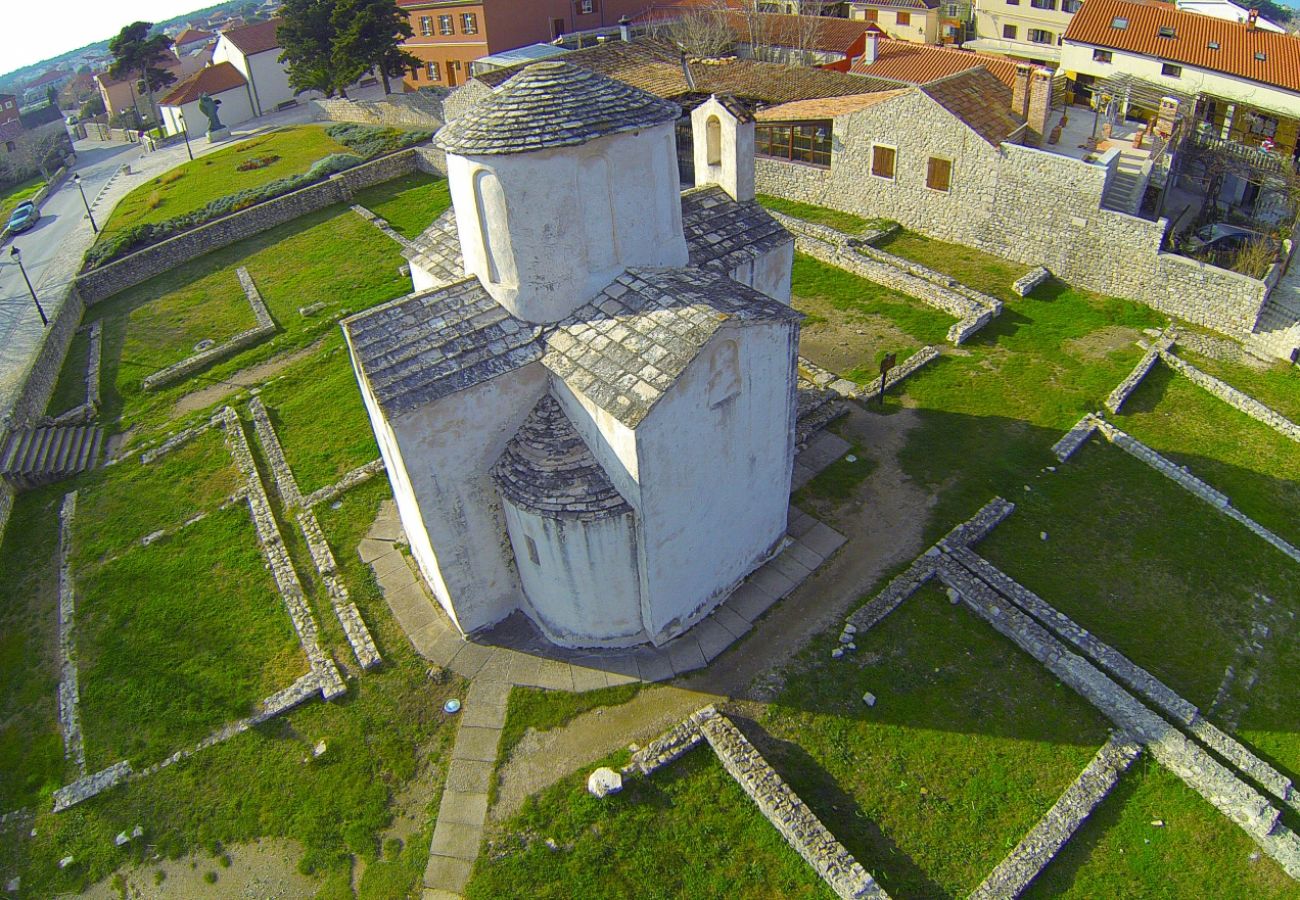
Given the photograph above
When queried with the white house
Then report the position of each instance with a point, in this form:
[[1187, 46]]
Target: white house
[[1226, 9], [255, 51], [223, 82], [587, 408]]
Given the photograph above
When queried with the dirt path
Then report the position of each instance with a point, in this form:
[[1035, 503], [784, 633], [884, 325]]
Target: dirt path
[[244, 378], [267, 870], [883, 530]]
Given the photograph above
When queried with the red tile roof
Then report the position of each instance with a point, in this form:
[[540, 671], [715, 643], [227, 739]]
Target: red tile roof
[[211, 80], [253, 39], [920, 63], [980, 100], [193, 35], [824, 33], [1240, 47]]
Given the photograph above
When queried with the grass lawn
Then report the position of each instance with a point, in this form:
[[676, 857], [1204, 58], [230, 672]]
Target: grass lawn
[[162, 667], [543, 710], [1142, 564], [1196, 852], [969, 743], [193, 185], [1253, 464], [320, 419], [834, 485], [17, 194], [166, 330], [982, 271], [70, 390], [687, 831], [1277, 386], [852, 322], [120, 504], [409, 204], [332, 256], [820, 215]]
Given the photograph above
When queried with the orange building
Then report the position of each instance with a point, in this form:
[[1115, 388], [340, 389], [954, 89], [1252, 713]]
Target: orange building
[[450, 34]]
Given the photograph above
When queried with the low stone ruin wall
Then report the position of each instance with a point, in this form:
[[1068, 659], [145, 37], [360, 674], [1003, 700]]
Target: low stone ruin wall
[[416, 109], [1233, 397]]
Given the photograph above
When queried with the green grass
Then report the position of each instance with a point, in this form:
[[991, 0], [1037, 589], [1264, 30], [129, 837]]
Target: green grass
[[544, 710], [687, 831], [166, 330], [17, 194], [161, 667], [820, 215], [193, 185], [982, 271], [836, 483], [1277, 386], [969, 743], [321, 421], [1253, 464], [70, 390], [409, 204], [1196, 853]]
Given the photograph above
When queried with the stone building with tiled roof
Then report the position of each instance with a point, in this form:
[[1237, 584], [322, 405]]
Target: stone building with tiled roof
[[586, 408]]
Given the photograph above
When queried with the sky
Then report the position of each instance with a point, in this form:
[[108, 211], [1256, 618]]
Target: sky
[[33, 31]]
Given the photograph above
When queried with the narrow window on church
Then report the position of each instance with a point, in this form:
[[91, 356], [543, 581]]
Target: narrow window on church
[[713, 140], [532, 551]]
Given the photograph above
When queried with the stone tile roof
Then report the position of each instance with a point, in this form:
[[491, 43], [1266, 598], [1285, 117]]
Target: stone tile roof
[[437, 250], [980, 100], [824, 108], [208, 80], [549, 470], [627, 347], [1266, 57], [429, 345], [721, 234], [920, 63], [552, 104]]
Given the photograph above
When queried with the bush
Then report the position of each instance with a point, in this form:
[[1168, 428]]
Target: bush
[[372, 140]]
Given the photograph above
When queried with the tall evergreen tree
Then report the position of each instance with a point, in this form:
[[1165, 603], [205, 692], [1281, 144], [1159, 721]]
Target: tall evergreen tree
[[307, 39], [368, 35], [137, 54]]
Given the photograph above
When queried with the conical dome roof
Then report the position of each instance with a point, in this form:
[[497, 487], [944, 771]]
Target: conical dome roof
[[552, 104]]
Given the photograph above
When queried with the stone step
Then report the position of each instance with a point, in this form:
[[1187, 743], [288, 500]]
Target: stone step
[[37, 456]]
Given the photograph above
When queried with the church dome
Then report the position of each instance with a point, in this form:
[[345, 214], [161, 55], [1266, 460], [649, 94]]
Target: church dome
[[552, 104]]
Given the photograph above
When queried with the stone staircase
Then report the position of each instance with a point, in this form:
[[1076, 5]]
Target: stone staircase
[[38, 456], [1277, 331], [1124, 194]]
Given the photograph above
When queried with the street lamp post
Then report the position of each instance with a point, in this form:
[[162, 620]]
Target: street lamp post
[[76, 179], [185, 130], [17, 257]]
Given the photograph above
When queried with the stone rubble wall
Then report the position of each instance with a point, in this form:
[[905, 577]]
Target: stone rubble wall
[[264, 328], [1220, 786], [91, 785], [277, 555], [108, 280], [74, 749], [1075, 438], [823, 378], [786, 811], [939, 279], [1228, 394], [668, 747], [89, 408], [1037, 848], [177, 440], [382, 225], [357, 476], [416, 109], [1025, 284], [1140, 371]]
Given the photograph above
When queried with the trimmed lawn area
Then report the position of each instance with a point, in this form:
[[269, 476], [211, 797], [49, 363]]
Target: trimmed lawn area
[[686, 831], [319, 416], [969, 743], [542, 710], [193, 185], [409, 204], [852, 322], [166, 330], [820, 215], [162, 666], [1258, 468], [982, 271], [1196, 852], [17, 194], [1277, 386]]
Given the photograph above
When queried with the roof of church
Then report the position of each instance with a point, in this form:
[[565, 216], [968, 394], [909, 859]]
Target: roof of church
[[437, 249], [548, 469], [552, 104], [429, 345], [626, 348], [721, 234]]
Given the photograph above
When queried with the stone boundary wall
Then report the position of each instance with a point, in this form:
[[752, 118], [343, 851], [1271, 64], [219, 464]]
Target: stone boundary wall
[[828, 380], [668, 747], [108, 280], [382, 225], [1140, 371], [178, 439], [264, 328], [74, 749], [357, 476], [91, 785], [1236, 399], [89, 408], [416, 109], [1025, 284], [1075, 438], [1037, 848]]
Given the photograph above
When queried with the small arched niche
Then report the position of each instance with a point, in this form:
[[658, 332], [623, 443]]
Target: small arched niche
[[713, 141]]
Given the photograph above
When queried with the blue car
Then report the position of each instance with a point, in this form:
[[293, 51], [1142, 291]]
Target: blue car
[[24, 216]]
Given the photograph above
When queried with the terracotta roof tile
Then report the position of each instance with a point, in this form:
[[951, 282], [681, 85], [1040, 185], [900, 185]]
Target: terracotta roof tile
[[209, 80], [980, 100], [253, 39], [920, 63], [1240, 47], [825, 33], [193, 35]]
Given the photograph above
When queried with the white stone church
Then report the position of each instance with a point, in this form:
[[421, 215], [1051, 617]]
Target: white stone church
[[587, 406]]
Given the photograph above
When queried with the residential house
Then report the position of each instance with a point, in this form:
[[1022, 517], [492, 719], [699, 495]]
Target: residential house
[[254, 50], [11, 134], [1244, 81], [8, 108], [122, 98], [1226, 9], [192, 40], [448, 35], [221, 81], [1024, 29], [904, 20], [909, 63], [824, 41]]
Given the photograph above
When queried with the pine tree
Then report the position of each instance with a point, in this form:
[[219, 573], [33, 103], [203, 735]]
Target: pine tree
[[136, 53], [307, 40], [368, 35]]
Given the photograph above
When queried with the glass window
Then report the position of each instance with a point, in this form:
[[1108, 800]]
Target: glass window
[[882, 161], [1071, 6], [808, 142], [1101, 56], [469, 23], [938, 174], [903, 18], [872, 15], [1009, 32], [1043, 4], [1038, 36], [1167, 32], [586, 7], [1119, 22], [1171, 70], [426, 25], [1261, 124], [445, 26], [432, 71]]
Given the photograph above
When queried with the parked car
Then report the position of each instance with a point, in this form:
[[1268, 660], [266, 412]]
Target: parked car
[[1221, 239], [23, 217]]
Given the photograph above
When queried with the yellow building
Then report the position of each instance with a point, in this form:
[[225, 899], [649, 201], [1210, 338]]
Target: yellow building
[[905, 20]]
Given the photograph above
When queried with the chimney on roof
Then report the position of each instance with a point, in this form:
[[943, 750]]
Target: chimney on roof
[[1252, 17], [686, 71], [873, 48], [1040, 104], [625, 29], [1020, 91]]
